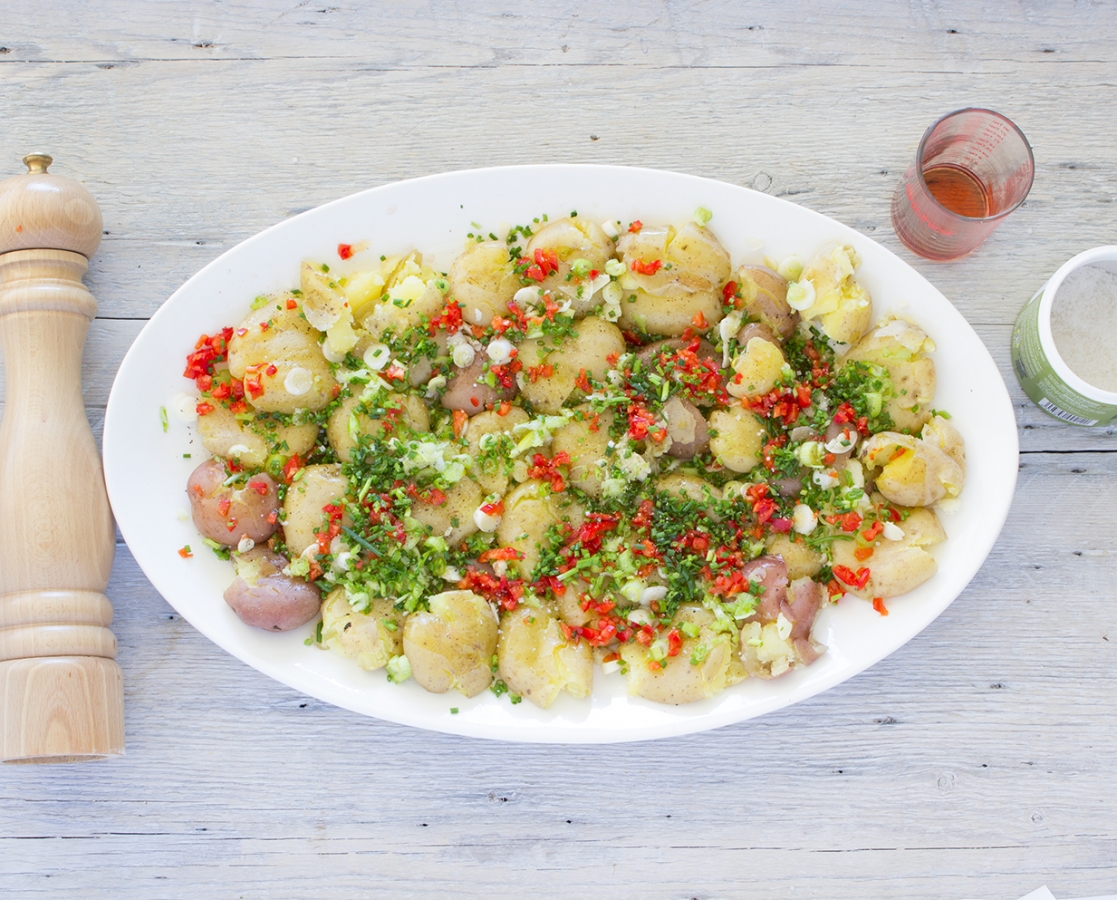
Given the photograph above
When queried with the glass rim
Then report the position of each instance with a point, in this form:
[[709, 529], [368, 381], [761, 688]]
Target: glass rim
[[1003, 118]]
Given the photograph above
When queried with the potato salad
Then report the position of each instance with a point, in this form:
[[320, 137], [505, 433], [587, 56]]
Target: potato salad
[[588, 449]]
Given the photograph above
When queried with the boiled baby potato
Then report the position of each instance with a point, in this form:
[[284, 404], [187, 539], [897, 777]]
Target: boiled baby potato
[[900, 347], [686, 427], [917, 471], [673, 276], [483, 280], [801, 560], [452, 645], [400, 415], [740, 438], [278, 350], [537, 662], [572, 239], [226, 513], [362, 636], [411, 295], [586, 441], [529, 511], [827, 293], [453, 517], [251, 443], [898, 566], [704, 666], [756, 369], [319, 486], [490, 469], [261, 595], [681, 486], [764, 296], [589, 351]]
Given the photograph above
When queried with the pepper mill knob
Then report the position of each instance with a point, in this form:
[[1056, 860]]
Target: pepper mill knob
[[39, 210], [61, 691]]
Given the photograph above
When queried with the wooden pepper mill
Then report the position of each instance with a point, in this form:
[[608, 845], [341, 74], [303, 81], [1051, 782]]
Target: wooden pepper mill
[[61, 691]]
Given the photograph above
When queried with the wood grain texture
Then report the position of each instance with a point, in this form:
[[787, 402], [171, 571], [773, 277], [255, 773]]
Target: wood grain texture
[[975, 762]]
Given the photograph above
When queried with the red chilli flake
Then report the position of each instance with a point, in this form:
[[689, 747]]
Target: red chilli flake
[[646, 268], [292, 303], [207, 351], [547, 470], [878, 605], [856, 579], [635, 227], [729, 292], [185, 552], [345, 250], [260, 487]]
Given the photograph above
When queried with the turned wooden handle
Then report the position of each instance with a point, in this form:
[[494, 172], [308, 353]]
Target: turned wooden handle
[[61, 692]]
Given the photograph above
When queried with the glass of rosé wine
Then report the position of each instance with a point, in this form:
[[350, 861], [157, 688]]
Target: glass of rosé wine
[[973, 167]]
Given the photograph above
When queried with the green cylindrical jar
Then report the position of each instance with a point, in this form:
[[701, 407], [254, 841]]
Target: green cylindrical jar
[[1042, 371]]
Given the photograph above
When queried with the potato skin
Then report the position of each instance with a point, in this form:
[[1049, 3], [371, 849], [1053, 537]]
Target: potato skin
[[452, 645], [302, 509], [224, 435], [681, 680], [468, 392], [537, 662], [262, 596], [765, 299], [529, 510], [288, 342], [482, 279], [249, 506], [362, 637], [461, 501], [596, 341], [585, 446], [739, 440], [412, 417], [897, 567], [490, 474], [571, 239], [898, 347]]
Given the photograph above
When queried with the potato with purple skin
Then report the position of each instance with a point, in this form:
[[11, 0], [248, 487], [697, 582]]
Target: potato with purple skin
[[469, 392], [262, 596], [226, 513], [765, 299]]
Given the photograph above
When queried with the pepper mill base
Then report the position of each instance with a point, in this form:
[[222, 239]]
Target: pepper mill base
[[60, 709]]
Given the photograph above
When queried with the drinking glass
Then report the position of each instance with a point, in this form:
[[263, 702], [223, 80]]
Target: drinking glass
[[973, 167]]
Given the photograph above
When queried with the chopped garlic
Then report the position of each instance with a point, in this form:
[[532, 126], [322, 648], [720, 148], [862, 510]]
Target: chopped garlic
[[610, 228], [893, 532], [653, 594], [245, 544], [843, 441], [803, 519], [484, 521], [826, 478], [783, 627]]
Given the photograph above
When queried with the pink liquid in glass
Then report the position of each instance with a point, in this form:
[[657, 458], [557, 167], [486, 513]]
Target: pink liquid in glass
[[972, 169]]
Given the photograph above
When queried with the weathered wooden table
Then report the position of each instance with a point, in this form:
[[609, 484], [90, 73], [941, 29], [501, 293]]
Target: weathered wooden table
[[976, 762]]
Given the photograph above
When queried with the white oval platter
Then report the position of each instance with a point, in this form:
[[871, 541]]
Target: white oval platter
[[146, 472]]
